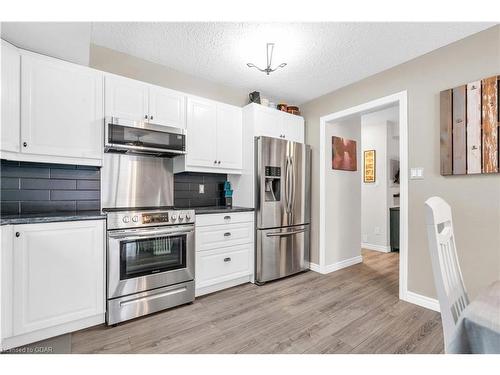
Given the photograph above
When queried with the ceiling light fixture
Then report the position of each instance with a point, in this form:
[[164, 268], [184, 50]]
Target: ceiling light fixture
[[268, 69]]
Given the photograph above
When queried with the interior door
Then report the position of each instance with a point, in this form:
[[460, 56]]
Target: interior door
[[61, 108], [11, 84], [201, 135], [167, 107], [229, 137], [126, 98]]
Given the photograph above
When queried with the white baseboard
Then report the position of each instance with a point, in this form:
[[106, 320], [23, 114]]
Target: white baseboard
[[423, 301], [336, 266], [370, 246]]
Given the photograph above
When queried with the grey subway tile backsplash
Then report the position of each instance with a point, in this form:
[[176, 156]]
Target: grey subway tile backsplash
[[9, 208], [88, 184], [25, 172], [74, 195], [76, 174], [186, 189], [10, 183], [25, 195], [45, 187], [45, 183], [88, 205], [47, 207]]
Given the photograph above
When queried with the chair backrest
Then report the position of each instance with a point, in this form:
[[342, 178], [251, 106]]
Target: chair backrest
[[447, 275]]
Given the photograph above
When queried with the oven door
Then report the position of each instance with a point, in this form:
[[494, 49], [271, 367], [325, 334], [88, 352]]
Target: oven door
[[144, 259]]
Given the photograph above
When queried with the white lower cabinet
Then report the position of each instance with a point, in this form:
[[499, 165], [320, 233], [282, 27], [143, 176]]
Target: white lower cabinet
[[52, 279], [224, 251]]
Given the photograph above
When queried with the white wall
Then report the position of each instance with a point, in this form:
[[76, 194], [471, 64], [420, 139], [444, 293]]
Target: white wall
[[343, 191], [68, 41], [377, 130]]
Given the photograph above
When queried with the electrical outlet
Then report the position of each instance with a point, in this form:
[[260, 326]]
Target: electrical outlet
[[201, 189], [417, 173]]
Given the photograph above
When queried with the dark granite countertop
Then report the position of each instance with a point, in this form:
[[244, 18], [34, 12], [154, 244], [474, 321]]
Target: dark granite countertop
[[219, 209], [51, 217]]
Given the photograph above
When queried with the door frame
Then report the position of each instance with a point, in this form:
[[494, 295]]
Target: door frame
[[400, 98]]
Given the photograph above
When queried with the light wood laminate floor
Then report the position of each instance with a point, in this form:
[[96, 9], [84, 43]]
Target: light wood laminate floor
[[354, 310]]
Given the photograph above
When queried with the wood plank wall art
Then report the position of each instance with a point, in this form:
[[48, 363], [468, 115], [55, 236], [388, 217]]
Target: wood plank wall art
[[469, 128]]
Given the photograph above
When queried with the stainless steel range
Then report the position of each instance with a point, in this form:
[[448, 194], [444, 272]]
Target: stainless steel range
[[150, 261]]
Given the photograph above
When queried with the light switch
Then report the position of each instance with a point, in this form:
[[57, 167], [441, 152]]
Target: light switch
[[201, 189], [417, 173]]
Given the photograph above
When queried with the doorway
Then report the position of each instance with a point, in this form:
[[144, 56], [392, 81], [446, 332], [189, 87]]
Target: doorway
[[342, 232]]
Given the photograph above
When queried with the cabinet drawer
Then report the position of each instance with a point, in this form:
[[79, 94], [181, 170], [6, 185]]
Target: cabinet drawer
[[225, 218], [216, 266], [217, 236]]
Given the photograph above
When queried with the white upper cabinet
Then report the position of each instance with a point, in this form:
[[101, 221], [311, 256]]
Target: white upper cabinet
[[201, 133], [293, 128], [167, 107], [11, 82], [134, 100], [229, 137], [270, 122], [214, 138], [61, 110], [126, 98]]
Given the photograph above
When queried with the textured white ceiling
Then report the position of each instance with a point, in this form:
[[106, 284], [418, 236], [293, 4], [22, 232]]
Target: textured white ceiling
[[321, 57]]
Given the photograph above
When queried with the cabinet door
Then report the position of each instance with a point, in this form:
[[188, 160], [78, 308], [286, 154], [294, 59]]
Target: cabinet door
[[58, 273], [201, 133], [229, 137], [11, 84], [126, 98], [61, 108], [293, 128], [268, 122], [167, 107]]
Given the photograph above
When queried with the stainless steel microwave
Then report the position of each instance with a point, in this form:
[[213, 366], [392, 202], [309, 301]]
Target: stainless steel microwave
[[139, 137]]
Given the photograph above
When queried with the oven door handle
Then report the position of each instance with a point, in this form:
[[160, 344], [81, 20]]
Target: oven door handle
[[156, 234]]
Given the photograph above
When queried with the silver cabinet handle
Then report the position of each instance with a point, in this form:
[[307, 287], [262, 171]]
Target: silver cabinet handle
[[25, 144], [227, 234], [146, 117], [18, 234], [281, 234], [228, 259], [218, 162], [215, 161], [151, 117], [227, 217]]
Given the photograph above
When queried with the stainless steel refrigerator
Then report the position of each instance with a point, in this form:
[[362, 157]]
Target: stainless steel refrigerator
[[283, 208]]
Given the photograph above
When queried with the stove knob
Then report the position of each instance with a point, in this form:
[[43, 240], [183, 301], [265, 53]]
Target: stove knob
[[188, 216], [173, 217], [135, 219], [126, 219], [181, 216]]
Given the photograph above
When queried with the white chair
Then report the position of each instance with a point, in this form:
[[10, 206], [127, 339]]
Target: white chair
[[447, 275]]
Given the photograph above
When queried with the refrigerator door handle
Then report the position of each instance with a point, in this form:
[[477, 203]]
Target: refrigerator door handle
[[281, 234], [289, 183], [292, 184]]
